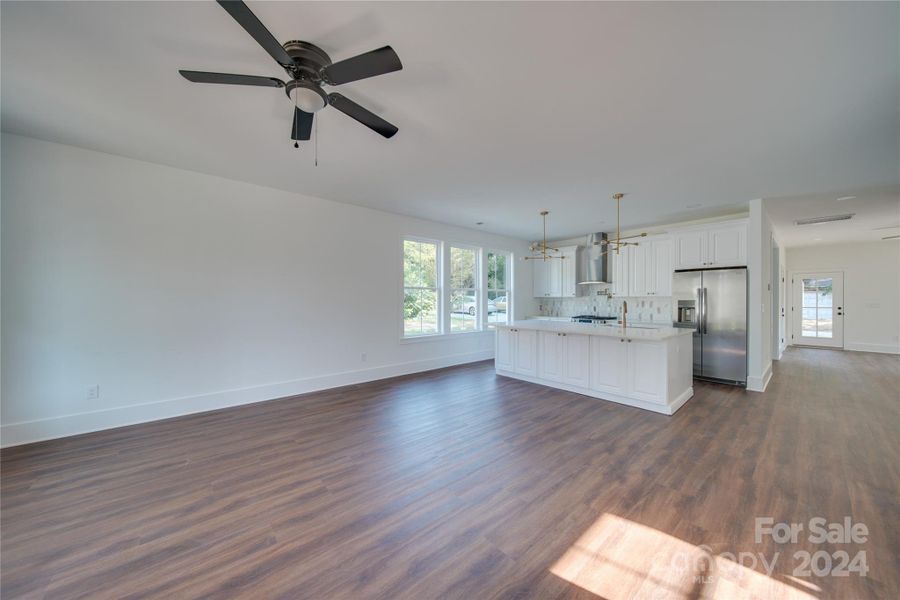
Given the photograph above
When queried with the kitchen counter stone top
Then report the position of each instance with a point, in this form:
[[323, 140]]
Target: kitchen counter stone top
[[638, 331]]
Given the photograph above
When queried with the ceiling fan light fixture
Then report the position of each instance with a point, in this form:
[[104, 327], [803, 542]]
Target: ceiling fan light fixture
[[307, 96]]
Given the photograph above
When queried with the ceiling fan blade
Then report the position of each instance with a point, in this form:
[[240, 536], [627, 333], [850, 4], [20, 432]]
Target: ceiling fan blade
[[363, 115], [246, 19], [230, 78], [377, 62], [302, 124]]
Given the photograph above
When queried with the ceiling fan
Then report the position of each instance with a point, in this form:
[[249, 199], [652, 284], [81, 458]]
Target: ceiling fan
[[309, 68]]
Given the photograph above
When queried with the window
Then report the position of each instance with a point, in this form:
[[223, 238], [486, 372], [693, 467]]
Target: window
[[499, 296], [464, 289], [817, 308], [421, 288], [444, 288]]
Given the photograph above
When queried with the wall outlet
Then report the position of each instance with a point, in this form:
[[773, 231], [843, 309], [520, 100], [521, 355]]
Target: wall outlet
[[93, 392], [364, 357]]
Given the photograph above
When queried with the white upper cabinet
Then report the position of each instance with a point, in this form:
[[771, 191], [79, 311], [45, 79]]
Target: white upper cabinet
[[619, 265], [546, 278], [638, 269], [555, 277], [727, 246], [690, 249], [716, 245], [568, 270], [660, 279], [649, 268]]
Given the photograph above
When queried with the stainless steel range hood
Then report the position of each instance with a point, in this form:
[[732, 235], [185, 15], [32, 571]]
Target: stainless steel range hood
[[592, 262]]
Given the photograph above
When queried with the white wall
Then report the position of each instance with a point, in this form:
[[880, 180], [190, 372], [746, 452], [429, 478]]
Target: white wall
[[871, 289], [178, 292], [759, 298]]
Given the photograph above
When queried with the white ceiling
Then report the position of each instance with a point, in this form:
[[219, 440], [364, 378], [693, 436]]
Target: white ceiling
[[503, 108], [876, 215]]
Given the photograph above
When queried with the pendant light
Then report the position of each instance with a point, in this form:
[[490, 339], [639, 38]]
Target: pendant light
[[619, 242], [542, 249]]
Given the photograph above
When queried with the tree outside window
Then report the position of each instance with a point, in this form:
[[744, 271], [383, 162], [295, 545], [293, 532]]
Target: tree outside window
[[421, 290], [464, 292], [498, 287]]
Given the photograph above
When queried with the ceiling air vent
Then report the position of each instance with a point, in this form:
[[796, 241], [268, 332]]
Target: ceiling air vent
[[828, 219]]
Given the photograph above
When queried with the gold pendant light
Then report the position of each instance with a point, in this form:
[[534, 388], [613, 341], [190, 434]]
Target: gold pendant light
[[543, 249], [619, 242]]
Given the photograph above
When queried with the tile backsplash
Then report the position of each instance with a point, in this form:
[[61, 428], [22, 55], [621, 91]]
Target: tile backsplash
[[655, 309]]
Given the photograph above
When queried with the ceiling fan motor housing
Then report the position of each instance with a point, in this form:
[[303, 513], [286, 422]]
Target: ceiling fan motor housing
[[305, 87], [309, 60]]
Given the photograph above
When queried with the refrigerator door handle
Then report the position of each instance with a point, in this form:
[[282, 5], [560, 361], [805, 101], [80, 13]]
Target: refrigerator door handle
[[700, 311], [705, 331]]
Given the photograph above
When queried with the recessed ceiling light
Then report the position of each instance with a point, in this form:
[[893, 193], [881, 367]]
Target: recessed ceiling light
[[842, 198], [817, 239], [693, 206]]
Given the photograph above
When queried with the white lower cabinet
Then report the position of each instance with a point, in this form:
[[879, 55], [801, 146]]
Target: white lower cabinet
[[525, 356], [651, 374], [504, 355], [577, 366], [516, 351], [608, 364], [629, 367], [553, 354], [646, 381], [564, 357]]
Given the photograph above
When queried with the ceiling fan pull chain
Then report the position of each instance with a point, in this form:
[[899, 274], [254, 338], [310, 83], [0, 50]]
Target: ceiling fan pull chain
[[296, 143]]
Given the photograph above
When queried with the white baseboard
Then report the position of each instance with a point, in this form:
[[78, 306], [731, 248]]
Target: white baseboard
[[864, 347], [14, 434], [759, 384], [666, 409]]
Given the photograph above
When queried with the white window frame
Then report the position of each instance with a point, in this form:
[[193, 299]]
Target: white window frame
[[509, 285], [480, 302], [439, 259], [443, 288]]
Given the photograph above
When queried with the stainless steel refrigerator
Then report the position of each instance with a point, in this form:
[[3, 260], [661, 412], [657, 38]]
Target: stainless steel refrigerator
[[713, 302]]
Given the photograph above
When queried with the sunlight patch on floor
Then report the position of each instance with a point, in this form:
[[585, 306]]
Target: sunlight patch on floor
[[618, 559]]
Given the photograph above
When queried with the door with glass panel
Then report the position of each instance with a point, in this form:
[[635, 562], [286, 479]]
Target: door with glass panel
[[818, 309]]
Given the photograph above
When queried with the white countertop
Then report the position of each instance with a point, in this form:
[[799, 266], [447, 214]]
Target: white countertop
[[637, 331]]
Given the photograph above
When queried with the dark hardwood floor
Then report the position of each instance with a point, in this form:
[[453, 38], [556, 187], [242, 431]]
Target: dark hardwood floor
[[459, 484]]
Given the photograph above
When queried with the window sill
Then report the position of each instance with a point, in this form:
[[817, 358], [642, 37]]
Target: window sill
[[437, 337]]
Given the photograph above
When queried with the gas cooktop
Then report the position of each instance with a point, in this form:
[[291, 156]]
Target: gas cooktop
[[591, 318]]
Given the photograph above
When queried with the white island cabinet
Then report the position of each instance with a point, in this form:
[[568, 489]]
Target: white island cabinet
[[649, 368]]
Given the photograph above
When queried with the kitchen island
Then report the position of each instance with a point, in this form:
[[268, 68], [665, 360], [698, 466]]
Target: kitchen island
[[649, 367]]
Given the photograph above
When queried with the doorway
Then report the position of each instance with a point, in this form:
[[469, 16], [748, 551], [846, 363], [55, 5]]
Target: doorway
[[777, 277], [817, 311]]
